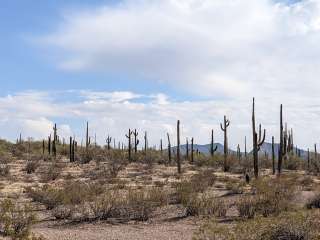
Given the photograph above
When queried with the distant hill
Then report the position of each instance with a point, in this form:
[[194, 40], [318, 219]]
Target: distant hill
[[265, 148], [205, 149]]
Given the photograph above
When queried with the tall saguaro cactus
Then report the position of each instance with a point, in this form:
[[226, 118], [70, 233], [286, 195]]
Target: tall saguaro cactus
[[54, 143], [49, 144], [245, 148], [212, 148], [273, 157], [187, 149], [169, 148], [145, 142], [281, 150], [178, 147], [224, 127], [239, 153], [108, 141], [129, 144], [136, 140], [192, 151], [258, 140], [308, 159], [88, 139]]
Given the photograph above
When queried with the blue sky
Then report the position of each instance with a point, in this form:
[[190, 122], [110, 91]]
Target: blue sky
[[26, 66], [146, 63]]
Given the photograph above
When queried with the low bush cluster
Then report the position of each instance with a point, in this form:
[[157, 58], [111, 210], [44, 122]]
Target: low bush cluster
[[287, 226], [271, 197]]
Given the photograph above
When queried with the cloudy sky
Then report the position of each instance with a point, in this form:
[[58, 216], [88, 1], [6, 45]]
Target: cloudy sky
[[146, 63]]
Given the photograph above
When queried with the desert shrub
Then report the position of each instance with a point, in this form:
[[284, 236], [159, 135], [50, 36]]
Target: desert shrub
[[314, 202], [16, 220], [46, 195], [130, 205], [271, 197], [86, 156], [293, 163], [205, 205], [104, 206], [235, 186], [188, 189], [31, 166], [72, 193], [62, 212], [293, 226], [52, 173], [4, 169]]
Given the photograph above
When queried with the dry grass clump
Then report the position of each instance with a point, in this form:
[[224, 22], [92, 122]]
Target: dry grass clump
[[235, 186], [16, 220], [72, 193], [205, 205], [192, 195], [51, 173], [287, 226], [31, 166], [314, 202], [271, 197], [83, 202], [4, 169]]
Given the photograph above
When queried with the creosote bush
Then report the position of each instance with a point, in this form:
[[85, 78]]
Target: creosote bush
[[314, 202], [270, 197], [82, 202], [16, 220], [287, 226]]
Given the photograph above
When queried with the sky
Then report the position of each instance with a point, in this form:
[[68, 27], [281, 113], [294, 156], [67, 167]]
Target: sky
[[147, 63]]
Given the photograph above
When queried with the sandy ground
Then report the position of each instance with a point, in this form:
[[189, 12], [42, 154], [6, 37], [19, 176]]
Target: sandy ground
[[169, 224]]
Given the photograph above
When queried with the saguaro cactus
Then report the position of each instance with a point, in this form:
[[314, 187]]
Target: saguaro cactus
[[54, 143], [187, 149], [224, 128], [280, 155], [273, 157], [145, 142], [108, 141], [308, 159], [87, 137], [258, 140], [136, 140], [70, 149], [43, 147], [178, 147], [161, 147], [49, 144], [245, 148], [192, 151], [212, 148], [129, 144], [169, 148], [239, 153]]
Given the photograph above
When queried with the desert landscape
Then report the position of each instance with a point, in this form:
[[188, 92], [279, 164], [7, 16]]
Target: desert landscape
[[58, 190], [159, 120]]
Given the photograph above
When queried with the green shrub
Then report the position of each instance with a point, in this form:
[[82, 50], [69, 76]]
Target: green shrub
[[16, 220], [271, 196], [288, 226], [314, 202]]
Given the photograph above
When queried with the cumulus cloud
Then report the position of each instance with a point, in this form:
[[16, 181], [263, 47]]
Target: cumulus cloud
[[155, 113], [222, 48]]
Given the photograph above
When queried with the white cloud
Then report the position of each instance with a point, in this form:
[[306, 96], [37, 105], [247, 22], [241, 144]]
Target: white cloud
[[224, 48], [155, 113]]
